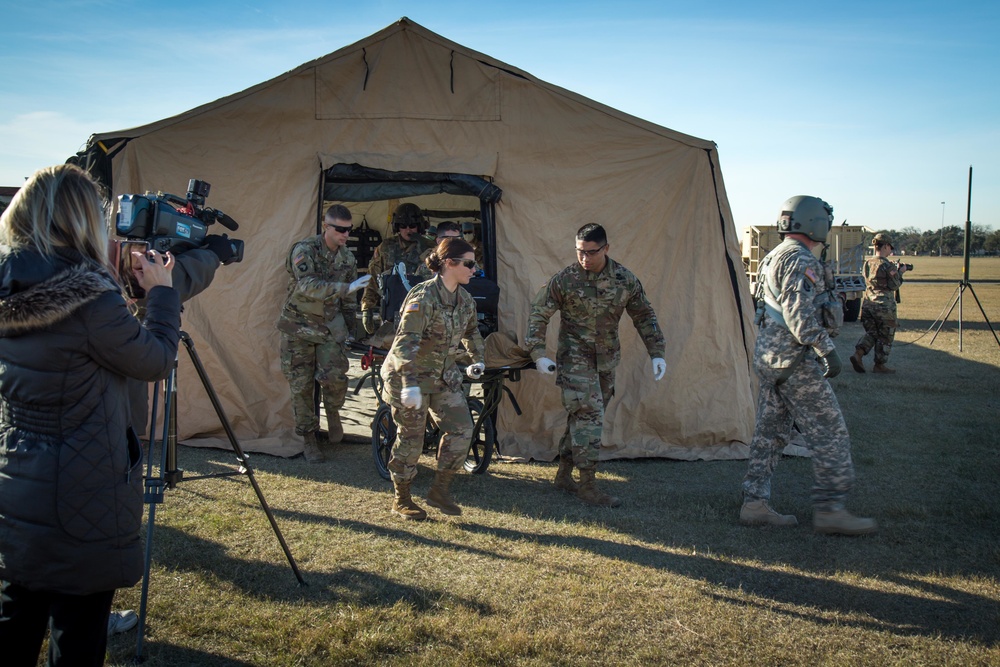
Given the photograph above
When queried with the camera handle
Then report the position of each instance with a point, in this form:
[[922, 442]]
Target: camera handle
[[169, 475]]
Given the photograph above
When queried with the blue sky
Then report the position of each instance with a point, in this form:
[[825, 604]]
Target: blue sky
[[878, 107]]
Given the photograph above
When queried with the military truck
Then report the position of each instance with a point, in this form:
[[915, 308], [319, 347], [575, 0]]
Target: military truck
[[849, 245]]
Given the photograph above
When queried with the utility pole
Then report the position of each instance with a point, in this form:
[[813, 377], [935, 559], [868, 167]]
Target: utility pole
[[941, 240]]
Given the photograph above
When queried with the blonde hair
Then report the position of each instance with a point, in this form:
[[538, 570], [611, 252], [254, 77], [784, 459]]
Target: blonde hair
[[58, 206]]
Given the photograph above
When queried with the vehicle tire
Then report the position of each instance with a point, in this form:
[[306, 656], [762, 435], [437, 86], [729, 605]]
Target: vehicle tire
[[484, 440], [852, 309], [383, 438]]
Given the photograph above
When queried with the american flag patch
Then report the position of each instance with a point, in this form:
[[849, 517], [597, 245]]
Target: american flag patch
[[811, 275], [412, 307]]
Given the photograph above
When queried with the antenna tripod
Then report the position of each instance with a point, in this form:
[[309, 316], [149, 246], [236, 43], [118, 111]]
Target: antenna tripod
[[965, 283], [169, 475]]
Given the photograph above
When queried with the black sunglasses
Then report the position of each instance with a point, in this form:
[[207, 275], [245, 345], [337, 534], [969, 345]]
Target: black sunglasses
[[338, 228], [467, 263], [409, 225]]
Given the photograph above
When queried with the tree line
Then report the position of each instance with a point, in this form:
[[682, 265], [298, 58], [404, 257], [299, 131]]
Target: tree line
[[945, 241]]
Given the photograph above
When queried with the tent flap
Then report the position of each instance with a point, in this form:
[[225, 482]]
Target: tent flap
[[353, 182]]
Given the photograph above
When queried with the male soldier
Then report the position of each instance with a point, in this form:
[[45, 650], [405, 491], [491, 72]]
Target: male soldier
[[793, 386], [446, 230], [407, 245], [469, 234], [878, 313], [590, 296], [314, 324]]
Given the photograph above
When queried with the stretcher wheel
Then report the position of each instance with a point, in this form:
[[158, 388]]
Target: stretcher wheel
[[484, 439], [383, 438]]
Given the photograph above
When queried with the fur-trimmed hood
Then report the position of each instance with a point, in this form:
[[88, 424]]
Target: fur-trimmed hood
[[37, 292]]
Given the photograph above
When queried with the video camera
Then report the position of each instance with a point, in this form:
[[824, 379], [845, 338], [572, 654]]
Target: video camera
[[168, 222], [909, 267]]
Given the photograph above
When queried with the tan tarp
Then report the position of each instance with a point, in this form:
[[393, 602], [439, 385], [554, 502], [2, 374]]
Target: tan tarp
[[406, 99]]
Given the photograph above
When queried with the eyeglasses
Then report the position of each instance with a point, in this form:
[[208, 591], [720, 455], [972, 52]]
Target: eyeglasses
[[590, 253], [408, 225], [467, 263], [339, 229]]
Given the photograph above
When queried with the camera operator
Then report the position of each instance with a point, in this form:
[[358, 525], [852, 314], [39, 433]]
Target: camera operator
[[878, 312], [193, 272], [70, 470]]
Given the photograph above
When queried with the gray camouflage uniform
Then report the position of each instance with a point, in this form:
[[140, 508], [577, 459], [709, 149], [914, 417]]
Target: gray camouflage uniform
[[878, 313], [792, 387], [434, 326], [314, 323], [590, 306]]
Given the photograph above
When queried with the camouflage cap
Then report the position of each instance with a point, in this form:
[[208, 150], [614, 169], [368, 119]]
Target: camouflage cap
[[882, 239]]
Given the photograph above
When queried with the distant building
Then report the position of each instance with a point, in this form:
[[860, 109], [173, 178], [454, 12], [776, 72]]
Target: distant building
[[6, 194]]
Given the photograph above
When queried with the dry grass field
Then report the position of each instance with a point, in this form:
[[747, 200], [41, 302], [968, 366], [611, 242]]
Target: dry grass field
[[528, 576]]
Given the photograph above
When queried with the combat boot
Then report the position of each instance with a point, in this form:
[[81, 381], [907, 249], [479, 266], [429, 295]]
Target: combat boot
[[590, 494], [403, 505], [334, 427], [311, 451], [882, 368], [760, 513], [857, 360], [842, 522], [564, 475], [438, 495]]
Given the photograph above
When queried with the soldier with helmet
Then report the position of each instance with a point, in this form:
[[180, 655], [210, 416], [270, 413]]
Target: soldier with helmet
[[407, 245], [878, 313], [793, 357]]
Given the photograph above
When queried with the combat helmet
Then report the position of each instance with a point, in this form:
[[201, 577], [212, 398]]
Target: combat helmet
[[409, 212], [806, 215]]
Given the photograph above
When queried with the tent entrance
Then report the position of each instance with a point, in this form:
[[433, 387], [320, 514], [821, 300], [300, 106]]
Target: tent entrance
[[372, 194]]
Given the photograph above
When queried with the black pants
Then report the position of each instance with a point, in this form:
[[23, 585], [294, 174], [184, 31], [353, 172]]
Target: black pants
[[78, 625]]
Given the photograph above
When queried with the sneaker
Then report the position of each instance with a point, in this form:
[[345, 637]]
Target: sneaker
[[122, 621]]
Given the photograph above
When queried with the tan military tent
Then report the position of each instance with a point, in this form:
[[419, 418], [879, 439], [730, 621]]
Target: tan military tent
[[405, 106]]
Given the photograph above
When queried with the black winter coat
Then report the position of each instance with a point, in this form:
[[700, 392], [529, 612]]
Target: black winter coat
[[70, 481]]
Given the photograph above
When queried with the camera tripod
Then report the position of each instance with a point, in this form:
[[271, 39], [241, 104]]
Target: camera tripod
[[168, 475]]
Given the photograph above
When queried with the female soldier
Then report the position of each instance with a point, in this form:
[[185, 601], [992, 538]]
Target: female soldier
[[878, 314], [421, 374], [70, 475]]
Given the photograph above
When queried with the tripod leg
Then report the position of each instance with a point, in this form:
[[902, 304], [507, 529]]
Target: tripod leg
[[240, 456], [981, 310], [154, 489], [951, 307]]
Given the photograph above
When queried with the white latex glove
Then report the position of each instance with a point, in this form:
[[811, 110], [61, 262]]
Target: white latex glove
[[545, 366], [659, 368], [411, 397], [475, 371], [360, 283]]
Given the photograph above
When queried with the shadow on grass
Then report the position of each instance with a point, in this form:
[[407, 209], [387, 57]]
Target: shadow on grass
[[167, 654]]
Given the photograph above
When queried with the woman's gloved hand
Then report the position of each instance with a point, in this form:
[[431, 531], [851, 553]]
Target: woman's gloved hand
[[411, 397]]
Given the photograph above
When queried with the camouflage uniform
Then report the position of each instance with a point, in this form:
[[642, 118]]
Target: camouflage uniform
[[792, 387], [388, 254], [878, 313], [314, 325], [591, 306], [434, 327]]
